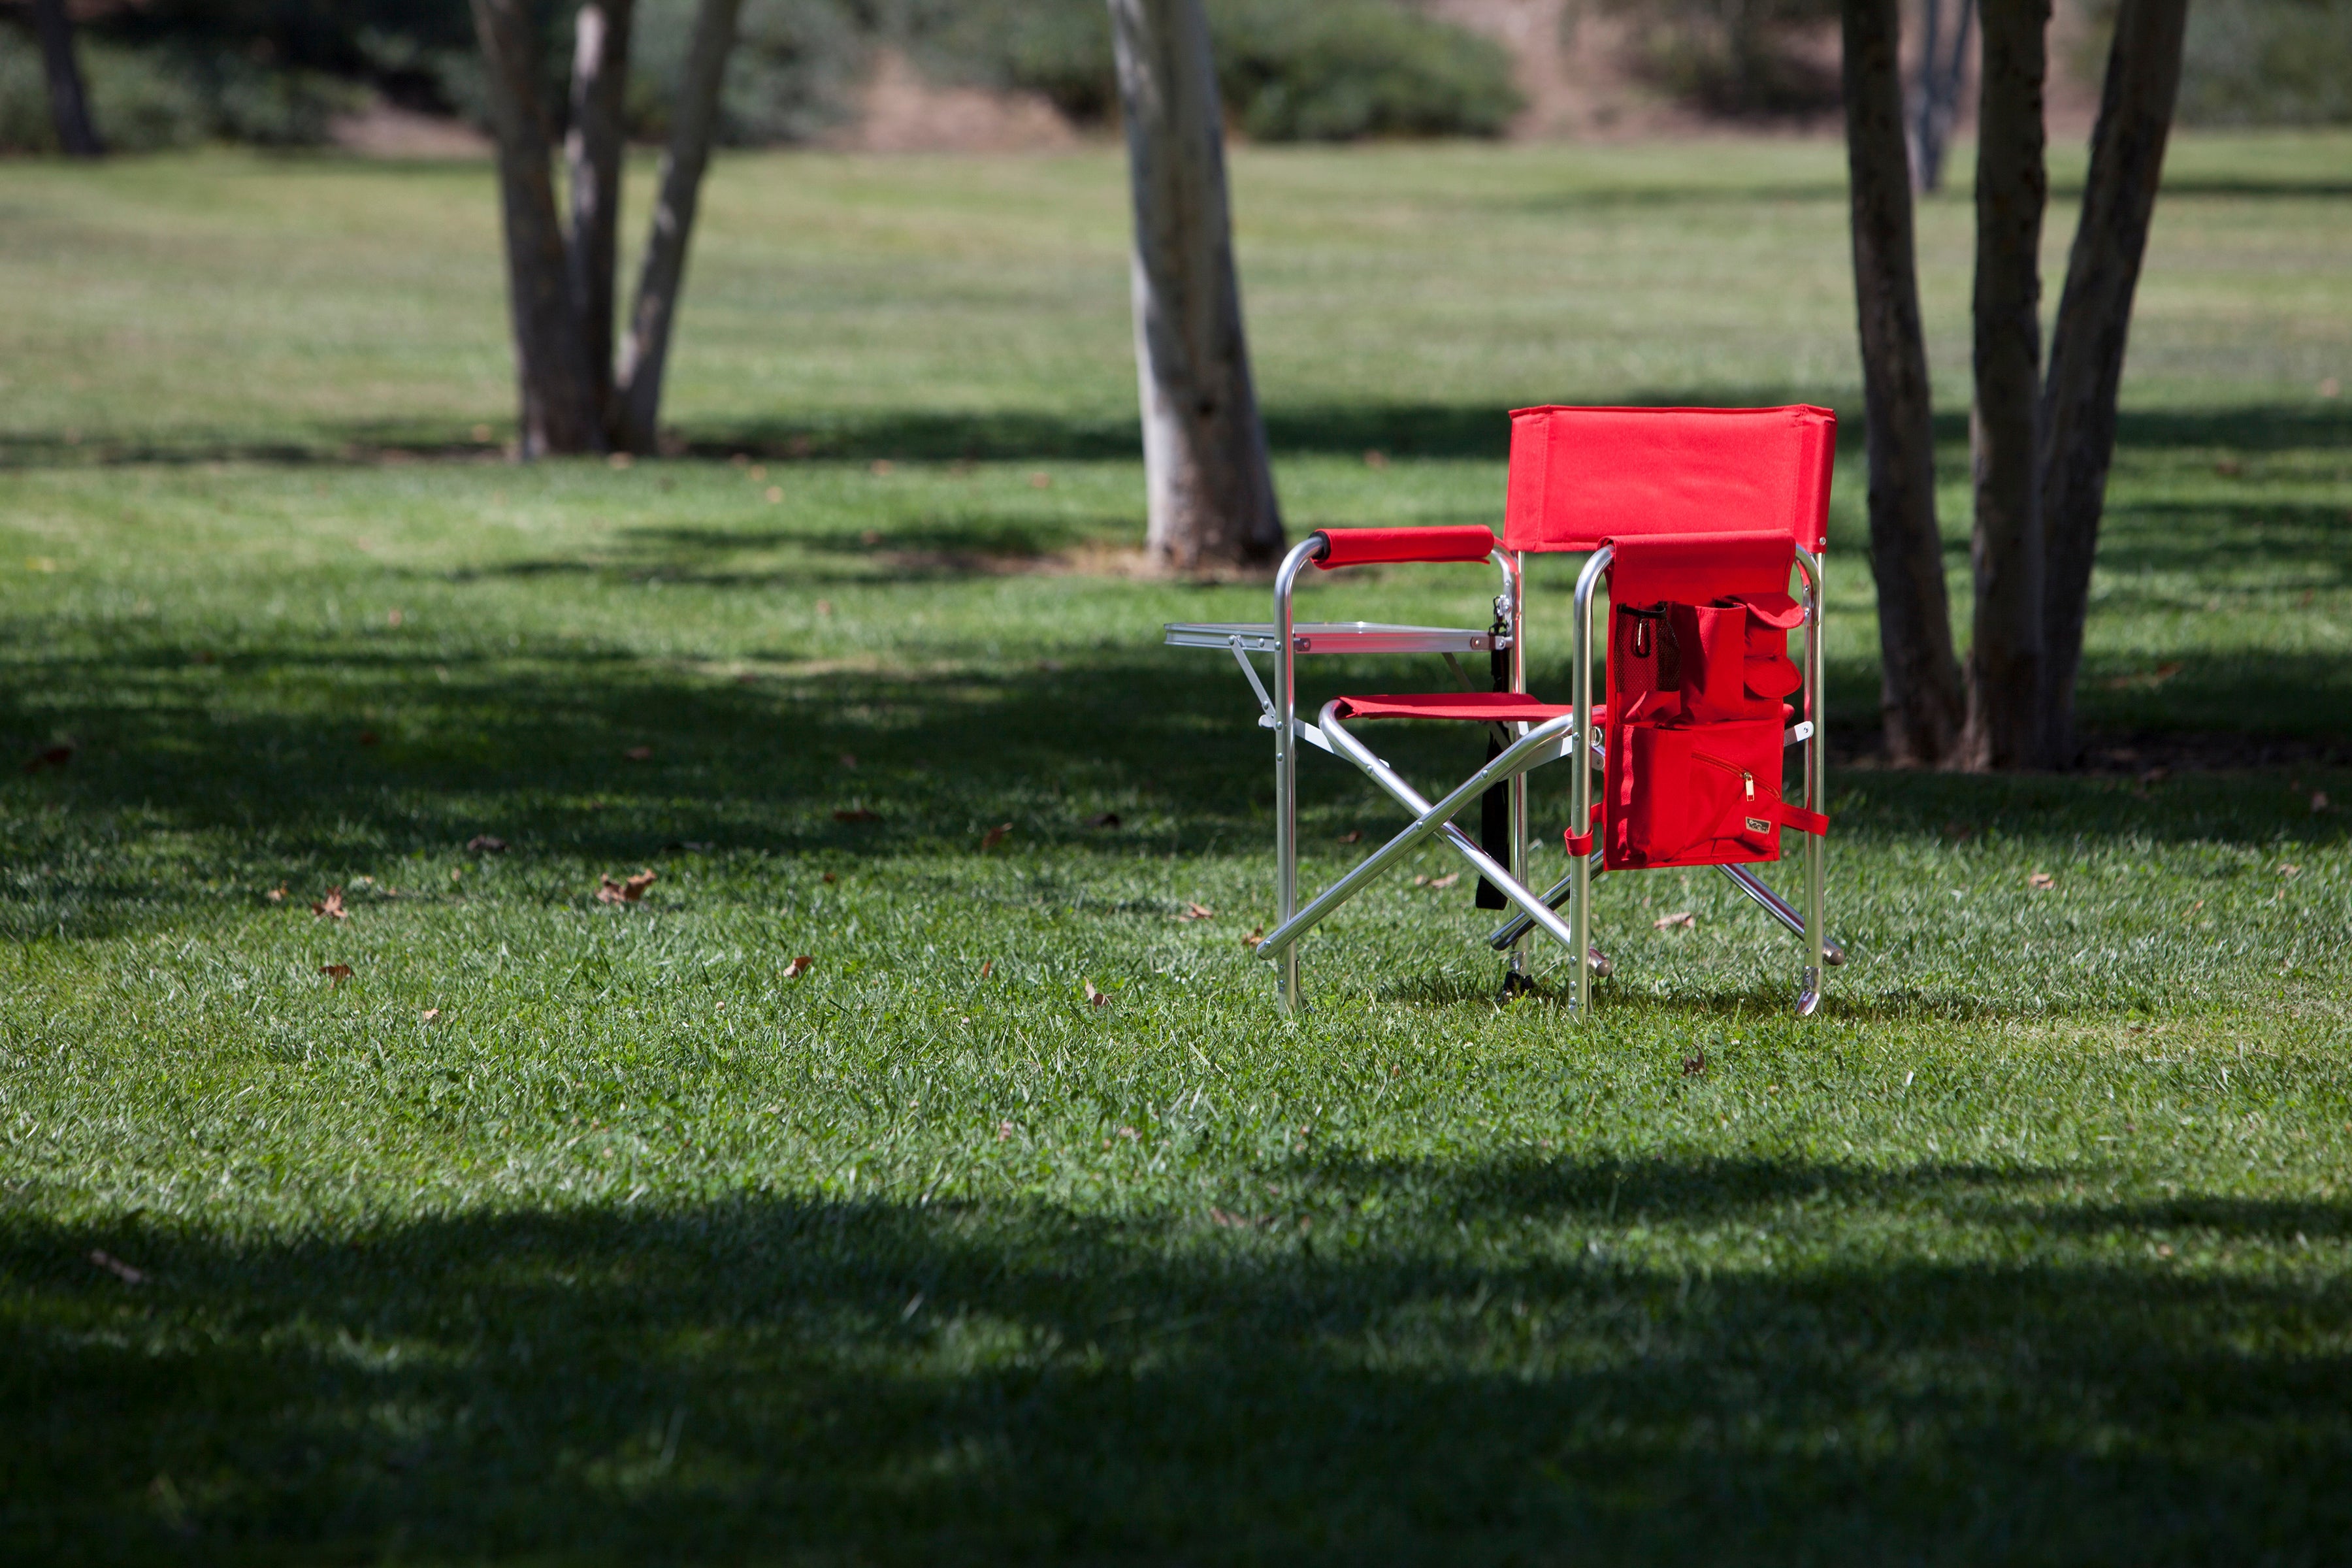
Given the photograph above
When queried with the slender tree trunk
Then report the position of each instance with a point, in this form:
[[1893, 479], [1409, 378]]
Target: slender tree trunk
[[68, 99], [1943, 62], [560, 412], [2012, 189], [1920, 702], [592, 154], [638, 403], [1204, 456], [2086, 348]]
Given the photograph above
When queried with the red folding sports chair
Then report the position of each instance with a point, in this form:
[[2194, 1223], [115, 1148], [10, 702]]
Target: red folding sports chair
[[1695, 519]]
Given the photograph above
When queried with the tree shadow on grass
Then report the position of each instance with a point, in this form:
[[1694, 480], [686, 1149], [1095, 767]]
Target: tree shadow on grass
[[269, 750], [1402, 427], [1344, 1367]]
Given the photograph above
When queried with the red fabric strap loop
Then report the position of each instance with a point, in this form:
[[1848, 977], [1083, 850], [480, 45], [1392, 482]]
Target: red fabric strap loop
[[1803, 821], [1581, 843], [1375, 546]]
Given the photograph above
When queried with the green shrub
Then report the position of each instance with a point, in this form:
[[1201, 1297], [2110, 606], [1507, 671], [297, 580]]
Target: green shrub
[[1336, 72], [794, 74], [1290, 70], [140, 102], [2267, 62], [1733, 57]]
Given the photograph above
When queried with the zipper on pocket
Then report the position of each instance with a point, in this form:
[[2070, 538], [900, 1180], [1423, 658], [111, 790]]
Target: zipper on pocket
[[1747, 779]]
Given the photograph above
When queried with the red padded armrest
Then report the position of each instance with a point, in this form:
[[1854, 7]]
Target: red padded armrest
[[1371, 546]]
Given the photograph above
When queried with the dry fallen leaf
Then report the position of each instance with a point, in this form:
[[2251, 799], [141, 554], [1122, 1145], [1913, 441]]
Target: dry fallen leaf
[[1447, 880], [116, 1267], [1196, 912], [276, 895], [639, 754], [1375, 459], [627, 892], [1099, 998], [2043, 881], [824, 607], [1004, 1130], [2318, 800], [2286, 869], [857, 814], [1232, 1222], [1129, 1132], [486, 844], [394, 616], [2155, 775], [830, 878], [1353, 836], [798, 967], [1040, 480], [55, 757], [995, 835], [849, 759], [336, 973], [987, 967], [1683, 918], [1693, 1066], [430, 1014], [331, 907], [369, 738], [1256, 935], [773, 494], [1103, 819]]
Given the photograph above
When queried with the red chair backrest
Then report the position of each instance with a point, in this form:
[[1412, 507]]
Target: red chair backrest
[[1581, 476]]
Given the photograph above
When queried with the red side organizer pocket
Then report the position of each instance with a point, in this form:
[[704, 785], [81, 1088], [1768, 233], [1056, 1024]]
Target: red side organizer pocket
[[1703, 795]]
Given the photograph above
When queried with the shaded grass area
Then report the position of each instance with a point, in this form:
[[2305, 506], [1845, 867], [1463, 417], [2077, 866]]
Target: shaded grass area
[[565, 1231]]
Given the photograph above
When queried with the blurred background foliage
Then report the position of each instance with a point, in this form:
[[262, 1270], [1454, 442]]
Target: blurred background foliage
[[174, 72], [166, 73]]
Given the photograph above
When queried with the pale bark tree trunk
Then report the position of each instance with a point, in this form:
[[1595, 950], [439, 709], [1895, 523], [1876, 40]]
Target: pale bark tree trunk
[[2012, 189], [560, 412], [69, 98], [1920, 700], [593, 151], [1936, 102], [1206, 472], [646, 353], [2086, 348]]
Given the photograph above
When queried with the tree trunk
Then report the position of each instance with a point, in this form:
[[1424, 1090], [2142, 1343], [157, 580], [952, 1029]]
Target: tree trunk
[[2086, 348], [1919, 680], [638, 403], [2012, 189], [69, 100], [592, 154], [1204, 456], [1943, 63], [560, 412]]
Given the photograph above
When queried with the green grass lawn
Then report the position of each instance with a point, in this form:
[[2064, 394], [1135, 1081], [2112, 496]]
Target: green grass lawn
[[562, 1231]]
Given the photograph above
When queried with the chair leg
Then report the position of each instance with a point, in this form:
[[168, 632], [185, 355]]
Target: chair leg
[[1538, 745]]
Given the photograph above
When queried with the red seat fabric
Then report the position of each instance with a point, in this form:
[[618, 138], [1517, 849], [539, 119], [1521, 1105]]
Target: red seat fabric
[[1581, 477], [1476, 707], [1373, 546]]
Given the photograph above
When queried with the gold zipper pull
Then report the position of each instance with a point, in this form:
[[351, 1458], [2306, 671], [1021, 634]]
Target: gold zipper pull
[[1749, 779]]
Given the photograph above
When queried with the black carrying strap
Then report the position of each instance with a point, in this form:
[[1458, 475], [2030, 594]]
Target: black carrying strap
[[1495, 806]]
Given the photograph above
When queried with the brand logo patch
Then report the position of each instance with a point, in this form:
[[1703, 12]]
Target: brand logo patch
[[1758, 825]]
